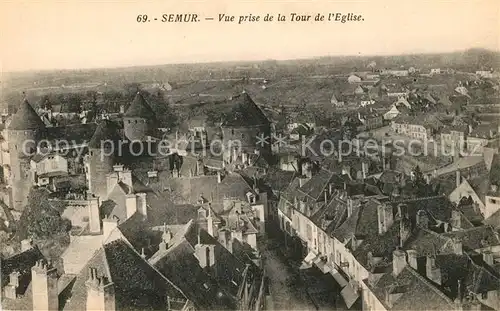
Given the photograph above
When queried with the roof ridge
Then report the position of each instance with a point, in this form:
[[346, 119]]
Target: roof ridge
[[429, 284]]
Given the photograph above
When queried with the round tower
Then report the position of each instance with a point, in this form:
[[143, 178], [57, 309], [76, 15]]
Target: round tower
[[139, 120], [103, 146], [25, 131]]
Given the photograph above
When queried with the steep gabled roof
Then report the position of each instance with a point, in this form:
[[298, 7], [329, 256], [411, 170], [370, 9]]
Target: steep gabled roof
[[140, 108], [26, 118], [244, 112], [106, 130], [138, 286]]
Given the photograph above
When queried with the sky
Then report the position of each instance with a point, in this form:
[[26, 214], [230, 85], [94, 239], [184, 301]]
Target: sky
[[71, 34]]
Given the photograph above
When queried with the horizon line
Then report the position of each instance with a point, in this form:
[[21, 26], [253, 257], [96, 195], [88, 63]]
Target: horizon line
[[359, 55]]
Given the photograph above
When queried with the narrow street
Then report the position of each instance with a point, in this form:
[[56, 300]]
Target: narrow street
[[285, 286]]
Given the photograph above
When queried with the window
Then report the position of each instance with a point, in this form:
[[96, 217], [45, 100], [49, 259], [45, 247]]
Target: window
[[493, 201], [129, 121], [484, 295]]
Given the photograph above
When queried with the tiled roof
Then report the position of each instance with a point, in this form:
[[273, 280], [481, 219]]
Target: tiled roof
[[21, 263], [314, 187], [413, 290], [74, 134], [331, 216], [428, 243], [179, 263], [106, 130], [140, 108], [190, 190], [476, 238], [244, 112], [26, 118], [138, 286], [438, 207]]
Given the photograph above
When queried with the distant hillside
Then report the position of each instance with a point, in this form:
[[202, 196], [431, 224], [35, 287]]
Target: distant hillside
[[105, 79]]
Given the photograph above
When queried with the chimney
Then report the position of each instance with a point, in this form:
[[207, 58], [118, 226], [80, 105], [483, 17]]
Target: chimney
[[125, 176], [143, 255], [488, 258], [206, 255], [219, 177], [200, 169], [349, 207], [111, 180], [210, 221], [130, 205], [44, 279], [457, 246], [412, 259], [404, 231], [142, 206], [325, 192], [100, 292], [364, 169], [398, 261], [458, 178], [166, 237], [456, 219], [469, 128], [94, 215], [385, 218], [422, 219], [26, 244], [432, 271], [330, 188], [10, 290], [494, 188]]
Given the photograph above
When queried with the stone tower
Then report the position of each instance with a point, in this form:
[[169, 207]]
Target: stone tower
[[103, 147], [139, 120], [24, 131], [245, 128]]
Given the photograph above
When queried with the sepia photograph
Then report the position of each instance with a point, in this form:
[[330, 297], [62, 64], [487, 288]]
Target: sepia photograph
[[188, 155]]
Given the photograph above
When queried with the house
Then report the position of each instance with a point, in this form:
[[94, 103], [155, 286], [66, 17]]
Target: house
[[492, 201], [435, 71], [484, 73], [465, 189], [395, 72], [212, 277], [400, 106], [115, 278], [481, 136], [353, 79], [419, 127], [48, 165], [370, 119], [454, 136]]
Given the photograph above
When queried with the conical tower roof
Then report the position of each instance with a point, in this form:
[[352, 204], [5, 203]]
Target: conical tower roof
[[244, 112], [105, 131], [140, 108], [26, 118]]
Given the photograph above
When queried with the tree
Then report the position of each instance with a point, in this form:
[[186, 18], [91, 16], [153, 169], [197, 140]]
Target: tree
[[165, 115], [41, 218]]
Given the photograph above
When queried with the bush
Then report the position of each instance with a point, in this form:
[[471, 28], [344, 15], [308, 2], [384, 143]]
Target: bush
[[42, 219]]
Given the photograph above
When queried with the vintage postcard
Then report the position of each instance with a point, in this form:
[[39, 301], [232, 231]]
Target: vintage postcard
[[250, 155]]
